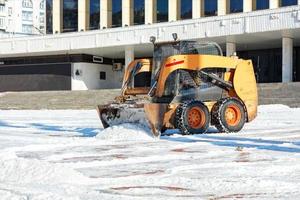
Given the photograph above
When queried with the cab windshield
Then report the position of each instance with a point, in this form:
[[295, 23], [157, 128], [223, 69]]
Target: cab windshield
[[165, 50]]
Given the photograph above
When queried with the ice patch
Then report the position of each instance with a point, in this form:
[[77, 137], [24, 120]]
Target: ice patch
[[127, 132]]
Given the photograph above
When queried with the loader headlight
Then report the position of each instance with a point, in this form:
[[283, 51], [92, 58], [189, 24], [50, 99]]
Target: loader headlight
[[175, 36], [152, 39]]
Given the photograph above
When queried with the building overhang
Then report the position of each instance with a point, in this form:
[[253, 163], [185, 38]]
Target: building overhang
[[265, 24]]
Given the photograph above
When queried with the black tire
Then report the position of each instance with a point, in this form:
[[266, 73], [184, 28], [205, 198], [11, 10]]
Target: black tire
[[185, 124], [228, 115]]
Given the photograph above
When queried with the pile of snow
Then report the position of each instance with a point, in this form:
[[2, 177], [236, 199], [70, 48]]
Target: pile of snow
[[126, 132], [20, 170]]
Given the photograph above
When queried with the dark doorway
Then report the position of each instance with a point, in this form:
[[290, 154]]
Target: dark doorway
[[267, 64], [297, 64]]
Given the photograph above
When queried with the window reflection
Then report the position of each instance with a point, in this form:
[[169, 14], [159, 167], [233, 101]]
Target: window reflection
[[116, 13], [236, 6], [162, 10], [49, 15], [94, 14], [210, 8], [139, 12], [186, 9], [288, 2], [70, 15], [262, 4]]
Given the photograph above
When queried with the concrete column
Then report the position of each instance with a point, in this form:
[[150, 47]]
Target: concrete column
[[287, 59], [150, 11], [83, 15], [174, 10], [230, 48], [198, 8], [274, 4], [249, 5], [105, 13], [127, 12], [223, 7], [129, 55], [299, 2], [57, 16]]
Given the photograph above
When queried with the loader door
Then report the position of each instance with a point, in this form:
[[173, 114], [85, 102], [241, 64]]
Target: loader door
[[192, 86], [161, 52]]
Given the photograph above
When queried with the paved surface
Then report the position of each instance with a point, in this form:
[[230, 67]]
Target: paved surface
[[275, 93], [56, 99]]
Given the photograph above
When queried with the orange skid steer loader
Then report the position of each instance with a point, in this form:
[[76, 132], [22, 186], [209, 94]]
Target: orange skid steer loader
[[187, 86]]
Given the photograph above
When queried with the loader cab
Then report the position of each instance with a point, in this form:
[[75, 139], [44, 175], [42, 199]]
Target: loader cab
[[184, 47], [180, 84]]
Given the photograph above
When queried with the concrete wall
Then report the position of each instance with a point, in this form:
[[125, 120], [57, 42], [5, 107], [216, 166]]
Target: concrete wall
[[37, 77], [86, 76]]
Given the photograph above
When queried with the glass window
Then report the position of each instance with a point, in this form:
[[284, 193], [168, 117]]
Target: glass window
[[27, 15], [162, 10], [49, 29], [236, 6], [9, 22], [42, 18], [2, 21], [10, 11], [27, 4], [116, 13], [42, 5], [210, 7], [139, 12], [27, 28], [288, 2], [2, 8], [186, 9], [70, 15], [94, 14], [262, 4]]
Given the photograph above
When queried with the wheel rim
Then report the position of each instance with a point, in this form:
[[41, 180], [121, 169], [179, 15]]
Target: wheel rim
[[233, 115], [196, 118]]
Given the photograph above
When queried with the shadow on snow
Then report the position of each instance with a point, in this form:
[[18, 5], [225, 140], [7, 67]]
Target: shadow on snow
[[5, 124], [84, 132], [237, 142]]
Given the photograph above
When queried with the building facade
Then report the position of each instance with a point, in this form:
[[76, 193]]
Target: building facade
[[74, 15], [266, 31], [22, 18]]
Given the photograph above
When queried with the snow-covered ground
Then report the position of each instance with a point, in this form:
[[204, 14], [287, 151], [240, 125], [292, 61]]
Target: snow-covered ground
[[67, 155]]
